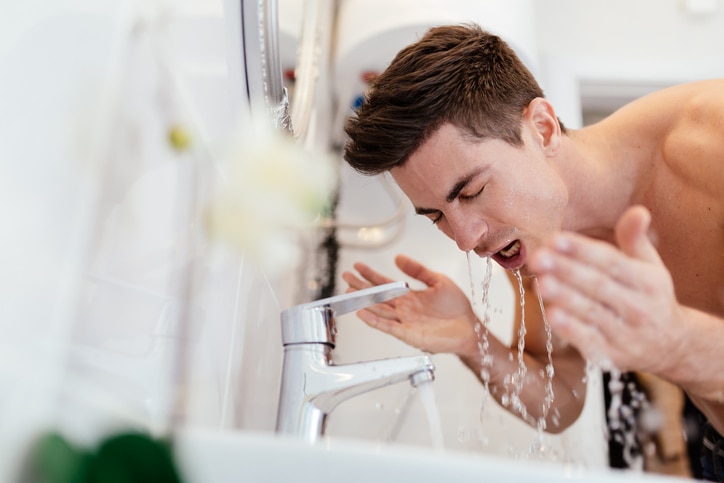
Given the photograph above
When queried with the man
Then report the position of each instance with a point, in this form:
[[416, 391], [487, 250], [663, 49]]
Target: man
[[621, 223]]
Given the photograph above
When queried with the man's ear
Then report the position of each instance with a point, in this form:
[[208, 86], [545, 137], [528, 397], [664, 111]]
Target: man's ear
[[542, 118]]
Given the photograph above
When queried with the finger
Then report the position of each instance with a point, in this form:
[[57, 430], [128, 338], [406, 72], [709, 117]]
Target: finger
[[385, 311], [384, 324], [578, 304], [582, 251], [416, 270], [354, 282], [581, 277], [586, 338], [631, 234], [585, 285], [373, 276]]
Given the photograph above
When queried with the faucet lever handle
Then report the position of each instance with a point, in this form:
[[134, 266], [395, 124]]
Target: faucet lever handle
[[313, 322], [349, 302]]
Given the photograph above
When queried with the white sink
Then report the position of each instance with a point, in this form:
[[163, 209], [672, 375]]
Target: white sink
[[244, 456]]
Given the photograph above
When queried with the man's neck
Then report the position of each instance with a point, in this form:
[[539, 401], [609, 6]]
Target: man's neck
[[602, 179]]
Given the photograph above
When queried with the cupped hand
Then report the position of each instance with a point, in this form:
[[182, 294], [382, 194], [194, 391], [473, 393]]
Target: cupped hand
[[615, 304], [438, 318]]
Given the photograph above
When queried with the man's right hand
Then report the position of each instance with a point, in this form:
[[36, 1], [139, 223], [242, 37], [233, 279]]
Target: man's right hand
[[436, 319]]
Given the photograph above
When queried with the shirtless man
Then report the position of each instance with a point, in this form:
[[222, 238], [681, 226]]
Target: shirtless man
[[621, 223]]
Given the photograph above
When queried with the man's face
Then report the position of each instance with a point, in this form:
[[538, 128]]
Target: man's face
[[488, 196]]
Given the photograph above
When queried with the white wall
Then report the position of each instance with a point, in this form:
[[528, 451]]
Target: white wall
[[607, 53]]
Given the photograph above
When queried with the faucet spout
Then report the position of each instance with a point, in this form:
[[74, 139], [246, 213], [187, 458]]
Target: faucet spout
[[350, 380], [308, 398]]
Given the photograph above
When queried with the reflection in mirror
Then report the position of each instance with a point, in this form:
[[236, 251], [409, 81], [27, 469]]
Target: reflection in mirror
[[307, 41], [263, 64]]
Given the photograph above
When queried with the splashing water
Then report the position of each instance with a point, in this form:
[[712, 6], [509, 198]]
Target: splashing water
[[621, 417], [482, 326]]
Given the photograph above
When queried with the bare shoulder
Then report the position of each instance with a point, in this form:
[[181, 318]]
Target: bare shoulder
[[694, 145], [696, 106], [685, 125], [702, 94], [699, 102]]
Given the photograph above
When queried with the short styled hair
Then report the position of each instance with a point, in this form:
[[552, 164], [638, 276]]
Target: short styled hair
[[458, 74]]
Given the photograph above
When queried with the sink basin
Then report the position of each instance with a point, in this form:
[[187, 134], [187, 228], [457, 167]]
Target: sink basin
[[241, 456]]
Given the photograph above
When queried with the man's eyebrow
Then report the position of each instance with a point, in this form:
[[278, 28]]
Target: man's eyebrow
[[455, 191], [425, 211]]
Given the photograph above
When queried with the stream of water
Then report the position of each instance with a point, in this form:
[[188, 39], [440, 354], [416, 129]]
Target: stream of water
[[426, 393], [483, 325]]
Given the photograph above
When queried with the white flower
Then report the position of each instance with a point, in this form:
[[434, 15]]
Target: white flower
[[273, 189]]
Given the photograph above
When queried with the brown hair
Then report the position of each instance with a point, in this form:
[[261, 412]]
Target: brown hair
[[459, 74]]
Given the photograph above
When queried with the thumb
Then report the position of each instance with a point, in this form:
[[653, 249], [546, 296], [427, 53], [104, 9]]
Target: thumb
[[631, 234], [416, 270]]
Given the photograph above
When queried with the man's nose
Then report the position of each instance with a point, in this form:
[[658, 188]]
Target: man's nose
[[468, 232]]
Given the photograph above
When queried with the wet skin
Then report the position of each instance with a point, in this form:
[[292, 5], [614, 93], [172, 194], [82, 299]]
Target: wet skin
[[485, 195]]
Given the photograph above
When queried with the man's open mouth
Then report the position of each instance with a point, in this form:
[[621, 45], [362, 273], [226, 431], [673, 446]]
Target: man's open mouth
[[511, 250], [512, 256]]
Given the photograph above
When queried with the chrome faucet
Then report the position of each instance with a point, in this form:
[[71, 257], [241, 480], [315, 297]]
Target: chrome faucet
[[312, 385]]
